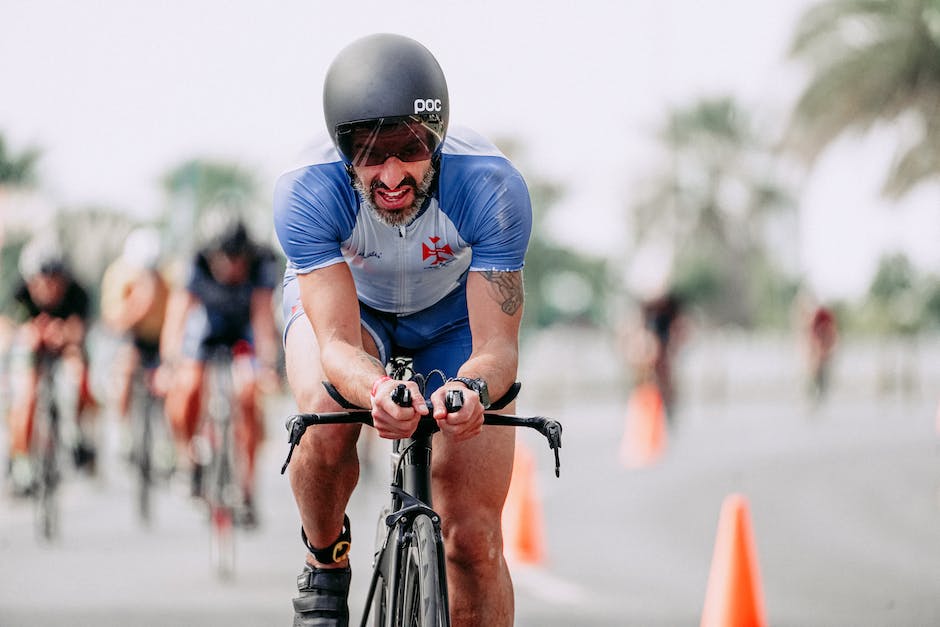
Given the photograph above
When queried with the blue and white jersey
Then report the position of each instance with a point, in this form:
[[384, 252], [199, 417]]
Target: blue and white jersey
[[478, 218]]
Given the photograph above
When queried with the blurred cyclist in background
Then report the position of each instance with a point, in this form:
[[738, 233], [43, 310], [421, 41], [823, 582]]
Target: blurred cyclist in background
[[226, 301], [652, 341], [823, 335], [134, 297], [51, 311]]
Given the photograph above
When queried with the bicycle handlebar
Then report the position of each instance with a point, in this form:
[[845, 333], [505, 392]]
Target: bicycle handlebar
[[298, 423]]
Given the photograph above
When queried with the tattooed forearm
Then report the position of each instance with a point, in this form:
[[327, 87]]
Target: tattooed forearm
[[368, 360], [506, 289]]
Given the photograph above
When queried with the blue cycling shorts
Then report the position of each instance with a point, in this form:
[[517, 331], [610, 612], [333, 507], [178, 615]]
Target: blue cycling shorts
[[436, 338]]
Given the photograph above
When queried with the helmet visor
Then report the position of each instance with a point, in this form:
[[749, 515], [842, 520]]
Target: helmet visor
[[409, 138]]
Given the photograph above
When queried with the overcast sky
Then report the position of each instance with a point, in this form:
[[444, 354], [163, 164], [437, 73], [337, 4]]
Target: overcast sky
[[117, 92]]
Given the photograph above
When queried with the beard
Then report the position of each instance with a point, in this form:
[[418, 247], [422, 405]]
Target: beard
[[397, 217]]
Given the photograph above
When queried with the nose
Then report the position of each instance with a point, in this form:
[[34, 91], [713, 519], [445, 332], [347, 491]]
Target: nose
[[392, 172]]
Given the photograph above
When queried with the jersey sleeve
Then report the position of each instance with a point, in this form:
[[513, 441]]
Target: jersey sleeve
[[493, 211], [314, 212]]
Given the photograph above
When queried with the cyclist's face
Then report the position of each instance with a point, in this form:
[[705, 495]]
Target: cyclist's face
[[47, 290], [394, 189], [228, 269]]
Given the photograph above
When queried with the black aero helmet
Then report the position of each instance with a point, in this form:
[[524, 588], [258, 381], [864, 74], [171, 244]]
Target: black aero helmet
[[385, 95]]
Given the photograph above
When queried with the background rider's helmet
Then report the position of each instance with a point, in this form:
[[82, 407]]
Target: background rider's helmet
[[223, 231], [142, 249], [385, 95], [43, 254]]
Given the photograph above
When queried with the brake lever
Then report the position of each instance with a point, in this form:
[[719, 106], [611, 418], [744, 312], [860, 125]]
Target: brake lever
[[295, 429], [553, 434]]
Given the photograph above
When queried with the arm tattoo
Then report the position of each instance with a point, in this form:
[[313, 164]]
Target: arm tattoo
[[368, 359], [506, 289]]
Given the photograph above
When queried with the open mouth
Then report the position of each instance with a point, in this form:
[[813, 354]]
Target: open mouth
[[394, 199]]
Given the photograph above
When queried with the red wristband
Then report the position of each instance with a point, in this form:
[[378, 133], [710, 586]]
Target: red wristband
[[380, 380]]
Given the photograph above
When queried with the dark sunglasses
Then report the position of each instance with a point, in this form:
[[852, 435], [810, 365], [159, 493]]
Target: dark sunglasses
[[372, 142]]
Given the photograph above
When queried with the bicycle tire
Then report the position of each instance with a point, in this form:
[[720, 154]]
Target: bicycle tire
[[222, 485], [143, 451], [47, 439], [422, 594], [379, 588]]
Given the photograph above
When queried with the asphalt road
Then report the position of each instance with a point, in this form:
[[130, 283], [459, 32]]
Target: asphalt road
[[844, 502]]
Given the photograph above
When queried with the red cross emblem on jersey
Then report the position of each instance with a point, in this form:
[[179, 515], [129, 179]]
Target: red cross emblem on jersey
[[440, 253]]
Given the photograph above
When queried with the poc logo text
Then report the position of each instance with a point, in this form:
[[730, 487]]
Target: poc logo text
[[426, 106]]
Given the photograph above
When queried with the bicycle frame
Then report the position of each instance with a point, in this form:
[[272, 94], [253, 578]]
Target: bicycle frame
[[410, 497], [411, 494]]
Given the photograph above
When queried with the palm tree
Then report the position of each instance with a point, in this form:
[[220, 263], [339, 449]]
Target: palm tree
[[873, 61], [711, 203]]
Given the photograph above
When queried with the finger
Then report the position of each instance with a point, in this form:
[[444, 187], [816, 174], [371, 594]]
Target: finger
[[419, 404]]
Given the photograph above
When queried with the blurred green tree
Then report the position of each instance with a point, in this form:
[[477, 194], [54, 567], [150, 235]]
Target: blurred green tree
[[873, 61], [18, 170], [716, 204], [198, 184], [900, 300]]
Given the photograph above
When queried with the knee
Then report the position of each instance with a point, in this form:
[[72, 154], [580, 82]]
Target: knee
[[247, 390], [474, 543], [311, 396], [186, 379], [329, 447]]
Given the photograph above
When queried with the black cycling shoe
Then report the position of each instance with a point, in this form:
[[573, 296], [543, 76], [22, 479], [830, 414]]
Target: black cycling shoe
[[85, 456], [322, 601]]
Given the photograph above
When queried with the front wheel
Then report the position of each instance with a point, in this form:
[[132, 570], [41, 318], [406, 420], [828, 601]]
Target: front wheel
[[423, 586]]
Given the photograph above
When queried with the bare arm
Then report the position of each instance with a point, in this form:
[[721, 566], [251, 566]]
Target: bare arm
[[263, 327], [171, 338], [329, 299], [494, 304]]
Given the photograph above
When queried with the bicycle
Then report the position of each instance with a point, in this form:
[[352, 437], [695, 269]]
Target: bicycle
[[220, 474], [47, 444], [409, 581], [147, 417]]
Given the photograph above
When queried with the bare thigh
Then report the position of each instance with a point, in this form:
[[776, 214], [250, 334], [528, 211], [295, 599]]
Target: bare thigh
[[471, 478]]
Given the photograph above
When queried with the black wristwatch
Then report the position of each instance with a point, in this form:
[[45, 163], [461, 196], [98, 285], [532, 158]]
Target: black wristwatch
[[478, 386]]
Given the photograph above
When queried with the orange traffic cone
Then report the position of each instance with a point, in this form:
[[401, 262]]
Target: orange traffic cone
[[523, 534], [644, 438], [734, 597]]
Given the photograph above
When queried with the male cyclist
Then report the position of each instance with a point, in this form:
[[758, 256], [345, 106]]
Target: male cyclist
[[51, 311], [402, 238], [134, 295], [227, 302]]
